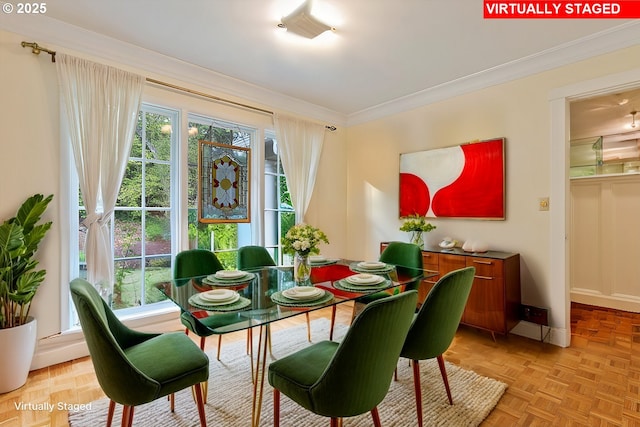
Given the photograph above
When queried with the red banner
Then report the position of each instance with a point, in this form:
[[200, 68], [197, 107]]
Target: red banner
[[624, 9]]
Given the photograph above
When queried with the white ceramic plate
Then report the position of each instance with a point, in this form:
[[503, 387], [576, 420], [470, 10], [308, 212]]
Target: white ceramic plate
[[317, 258], [206, 302], [303, 293], [218, 295], [364, 279], [229, 274], [372, 265]]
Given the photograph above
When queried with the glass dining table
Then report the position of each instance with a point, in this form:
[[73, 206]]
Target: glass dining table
[[244, 299]]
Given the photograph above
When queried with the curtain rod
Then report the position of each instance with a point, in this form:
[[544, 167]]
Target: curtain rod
[[218, 99], [36, 49]]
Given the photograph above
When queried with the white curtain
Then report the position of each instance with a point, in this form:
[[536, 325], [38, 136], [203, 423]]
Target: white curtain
[[300, 145], [101, 105]]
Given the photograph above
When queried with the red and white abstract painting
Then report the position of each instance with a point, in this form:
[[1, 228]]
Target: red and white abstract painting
[[465, 181]]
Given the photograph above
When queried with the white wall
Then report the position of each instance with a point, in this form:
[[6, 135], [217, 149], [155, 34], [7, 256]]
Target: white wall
[[519, 111]]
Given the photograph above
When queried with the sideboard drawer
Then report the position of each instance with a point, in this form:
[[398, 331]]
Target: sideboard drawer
[[486, 267]]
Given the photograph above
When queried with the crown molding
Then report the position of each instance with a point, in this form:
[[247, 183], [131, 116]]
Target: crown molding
[[48, 32], [613, 39], [61, 36]]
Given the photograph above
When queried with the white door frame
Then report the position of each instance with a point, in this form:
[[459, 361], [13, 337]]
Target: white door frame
[[559, 193]]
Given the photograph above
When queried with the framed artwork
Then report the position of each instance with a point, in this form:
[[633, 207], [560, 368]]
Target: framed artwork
[[223, 182], [465, 181]]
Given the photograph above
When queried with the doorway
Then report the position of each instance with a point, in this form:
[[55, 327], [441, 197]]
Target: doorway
[[604, 200], [560, 250]]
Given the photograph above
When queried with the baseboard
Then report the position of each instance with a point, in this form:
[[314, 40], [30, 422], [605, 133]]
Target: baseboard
[[555, 336], [70, 345]]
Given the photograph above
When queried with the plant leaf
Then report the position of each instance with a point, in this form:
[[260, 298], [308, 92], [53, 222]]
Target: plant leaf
[[31, 211]]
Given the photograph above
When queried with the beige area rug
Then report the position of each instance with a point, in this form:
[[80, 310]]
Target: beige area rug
[[230, 391]]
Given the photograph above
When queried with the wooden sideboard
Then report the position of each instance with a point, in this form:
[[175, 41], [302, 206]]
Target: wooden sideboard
[[494, 302]]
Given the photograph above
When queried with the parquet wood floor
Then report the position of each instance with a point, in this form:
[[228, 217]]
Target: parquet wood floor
[[595, 382]]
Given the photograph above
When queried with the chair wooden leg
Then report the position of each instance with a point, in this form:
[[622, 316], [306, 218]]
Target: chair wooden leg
[[202, 342], [333, 322], [335, 422], [219, 346], [376, 417], [112, 408], [172, 400], [443, 371], [308, 328], [276, 407], [127, 416], [200, 403], [418, 390]]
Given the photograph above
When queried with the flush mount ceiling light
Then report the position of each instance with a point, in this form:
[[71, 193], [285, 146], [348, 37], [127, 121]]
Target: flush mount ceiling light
[[303, 23]]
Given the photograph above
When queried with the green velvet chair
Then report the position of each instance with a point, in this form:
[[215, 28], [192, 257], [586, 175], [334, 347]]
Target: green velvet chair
[[194, 263], [252, 256], [350, 378], [408, 258], [435, 326], [133, 367]]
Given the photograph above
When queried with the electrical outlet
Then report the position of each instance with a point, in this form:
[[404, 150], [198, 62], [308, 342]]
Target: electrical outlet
[[534, 314]]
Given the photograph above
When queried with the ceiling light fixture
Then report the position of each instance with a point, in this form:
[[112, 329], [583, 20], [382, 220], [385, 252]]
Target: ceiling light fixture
[[303, 23], [633, 119]]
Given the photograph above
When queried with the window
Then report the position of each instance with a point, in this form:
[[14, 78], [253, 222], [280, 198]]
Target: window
[[279, 215], [142, 228], [146, 229], [223, 239]]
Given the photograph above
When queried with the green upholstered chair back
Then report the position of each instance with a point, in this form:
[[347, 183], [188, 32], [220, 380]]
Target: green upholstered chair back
[[436, 323], [107, 339], [253, 257], [358, 377], [407, 255], [196, 262]]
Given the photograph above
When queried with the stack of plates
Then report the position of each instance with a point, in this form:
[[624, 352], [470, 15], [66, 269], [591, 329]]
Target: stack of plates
[[229, 274], [227, 277], [321, 260], [302, 296], [219, 297], [303, 293], [372, 265], [365, 279], [361, 283]]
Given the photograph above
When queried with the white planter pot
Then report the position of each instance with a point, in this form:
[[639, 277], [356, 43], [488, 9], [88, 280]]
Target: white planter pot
[[17, 346]]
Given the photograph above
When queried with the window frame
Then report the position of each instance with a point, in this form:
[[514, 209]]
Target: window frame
[[185, 105]]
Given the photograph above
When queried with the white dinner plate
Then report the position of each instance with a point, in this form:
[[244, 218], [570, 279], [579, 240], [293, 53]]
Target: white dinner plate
[[219, 295], [364, 279], [303, 293], [230, 274], [317, 258], [372, 265]]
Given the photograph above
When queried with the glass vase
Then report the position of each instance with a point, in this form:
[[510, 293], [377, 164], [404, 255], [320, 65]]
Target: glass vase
[[301, 269], [417, 239]]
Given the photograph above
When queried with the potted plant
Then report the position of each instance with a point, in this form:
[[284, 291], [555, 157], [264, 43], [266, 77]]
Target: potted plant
[[416, 225], [19, 281]]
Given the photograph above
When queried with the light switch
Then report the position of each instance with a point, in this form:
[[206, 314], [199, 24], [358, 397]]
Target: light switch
[[543, 203]]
